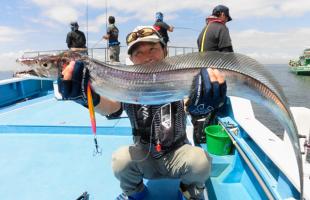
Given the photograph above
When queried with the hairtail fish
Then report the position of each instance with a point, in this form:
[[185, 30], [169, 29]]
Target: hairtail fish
[[171, 80]]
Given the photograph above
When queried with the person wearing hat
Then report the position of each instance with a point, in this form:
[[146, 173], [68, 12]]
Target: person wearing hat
[[215, 35], [76, 40], [112, 37], [161, 148], [162, 27]]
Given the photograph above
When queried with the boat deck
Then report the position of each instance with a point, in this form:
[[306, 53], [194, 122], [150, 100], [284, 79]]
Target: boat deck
[[46, 152]]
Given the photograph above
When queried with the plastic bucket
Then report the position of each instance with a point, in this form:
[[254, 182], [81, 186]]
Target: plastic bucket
[[218, 142]]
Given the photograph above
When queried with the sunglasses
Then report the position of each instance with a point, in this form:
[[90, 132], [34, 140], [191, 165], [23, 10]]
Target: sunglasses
[[140, 34]]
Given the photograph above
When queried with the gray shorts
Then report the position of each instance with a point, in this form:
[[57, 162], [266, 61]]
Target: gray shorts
[[114, 53], [190, 164]]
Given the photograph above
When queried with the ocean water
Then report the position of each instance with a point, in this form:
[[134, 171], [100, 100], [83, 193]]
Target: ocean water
[[296, 89], [6, 74]]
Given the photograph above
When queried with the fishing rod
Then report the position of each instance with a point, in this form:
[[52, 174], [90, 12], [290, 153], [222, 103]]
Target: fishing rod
[[87, 22], [106, 24], [186, 28], [97, 43]]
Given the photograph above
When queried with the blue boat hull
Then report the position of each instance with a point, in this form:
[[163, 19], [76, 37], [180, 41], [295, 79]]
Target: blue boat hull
[[46, 152]]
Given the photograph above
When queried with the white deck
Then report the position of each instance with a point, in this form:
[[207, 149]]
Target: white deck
[[280, 151]]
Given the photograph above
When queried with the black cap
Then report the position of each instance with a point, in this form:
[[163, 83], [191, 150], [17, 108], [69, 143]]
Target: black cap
[[74, 24], [221, 8], [111, 19]]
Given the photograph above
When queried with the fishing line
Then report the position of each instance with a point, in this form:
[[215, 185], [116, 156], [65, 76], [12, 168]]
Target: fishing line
[[97, 43], [186, 28], [87, 22], [106, 24]]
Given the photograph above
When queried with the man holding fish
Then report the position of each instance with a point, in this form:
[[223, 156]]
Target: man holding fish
[[161, 148]]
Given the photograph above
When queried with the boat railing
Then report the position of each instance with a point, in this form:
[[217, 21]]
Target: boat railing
[[101, 53]]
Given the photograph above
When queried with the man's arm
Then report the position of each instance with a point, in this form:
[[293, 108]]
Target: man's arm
[[107, 106], [167, 27], [171, 28], [107, 36], [73, 84], [68, 40], [227, 49], [225, 44], [84, 40]]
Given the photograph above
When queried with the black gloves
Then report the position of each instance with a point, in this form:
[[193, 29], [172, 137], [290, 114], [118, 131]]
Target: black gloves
[[206, 96], [76, 88]]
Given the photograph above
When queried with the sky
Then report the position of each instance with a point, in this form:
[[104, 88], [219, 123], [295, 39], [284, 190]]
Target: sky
[[270, 31]]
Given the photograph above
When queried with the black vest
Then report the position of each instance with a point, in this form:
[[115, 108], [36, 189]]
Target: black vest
[[158, 125]]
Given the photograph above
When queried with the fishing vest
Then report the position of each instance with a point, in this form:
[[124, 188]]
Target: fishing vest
[[161, 126], [113, 32]]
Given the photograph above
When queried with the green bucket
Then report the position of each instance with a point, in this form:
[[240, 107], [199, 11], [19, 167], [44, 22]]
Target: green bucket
[[218, 142]]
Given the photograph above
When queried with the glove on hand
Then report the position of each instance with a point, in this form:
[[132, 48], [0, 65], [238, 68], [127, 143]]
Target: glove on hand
[[206, 96], [76, 88]]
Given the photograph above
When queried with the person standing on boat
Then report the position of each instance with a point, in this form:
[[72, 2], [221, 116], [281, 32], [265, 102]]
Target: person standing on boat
[[112, 37], [161, 148], [215, 35], [162, 27], [76, 40]]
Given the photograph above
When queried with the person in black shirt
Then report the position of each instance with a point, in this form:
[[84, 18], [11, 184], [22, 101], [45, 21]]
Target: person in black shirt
[[75, 38], [215, 35], [162, 27]]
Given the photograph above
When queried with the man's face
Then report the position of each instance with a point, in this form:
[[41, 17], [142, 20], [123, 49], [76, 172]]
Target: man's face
[[147, 52], [74, 28], [223, 17]]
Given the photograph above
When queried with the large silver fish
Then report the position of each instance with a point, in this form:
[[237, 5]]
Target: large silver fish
[[171, 80]]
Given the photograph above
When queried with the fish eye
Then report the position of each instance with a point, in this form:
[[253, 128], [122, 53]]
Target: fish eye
[[44, 64]]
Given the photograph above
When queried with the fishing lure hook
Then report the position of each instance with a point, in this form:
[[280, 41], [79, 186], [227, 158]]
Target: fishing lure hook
[[97, 150]]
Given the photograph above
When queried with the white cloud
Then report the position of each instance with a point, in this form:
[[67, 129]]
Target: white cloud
[[61, 11], [295, 8], [62, 14], [9, 58], [45, 22], [8, 34], [100, 21], [271, 47], [267, 47], [143, 10], [267, 8]]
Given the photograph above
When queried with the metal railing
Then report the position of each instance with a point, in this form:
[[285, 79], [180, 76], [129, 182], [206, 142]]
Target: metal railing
[[102, 53]]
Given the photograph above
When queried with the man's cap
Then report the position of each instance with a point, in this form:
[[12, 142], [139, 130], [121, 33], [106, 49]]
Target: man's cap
[[74, 24], [159, 16], [111, 19], [222, 8], [154, 38]]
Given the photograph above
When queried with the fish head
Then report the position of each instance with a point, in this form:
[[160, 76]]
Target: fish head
[[49, 66]]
